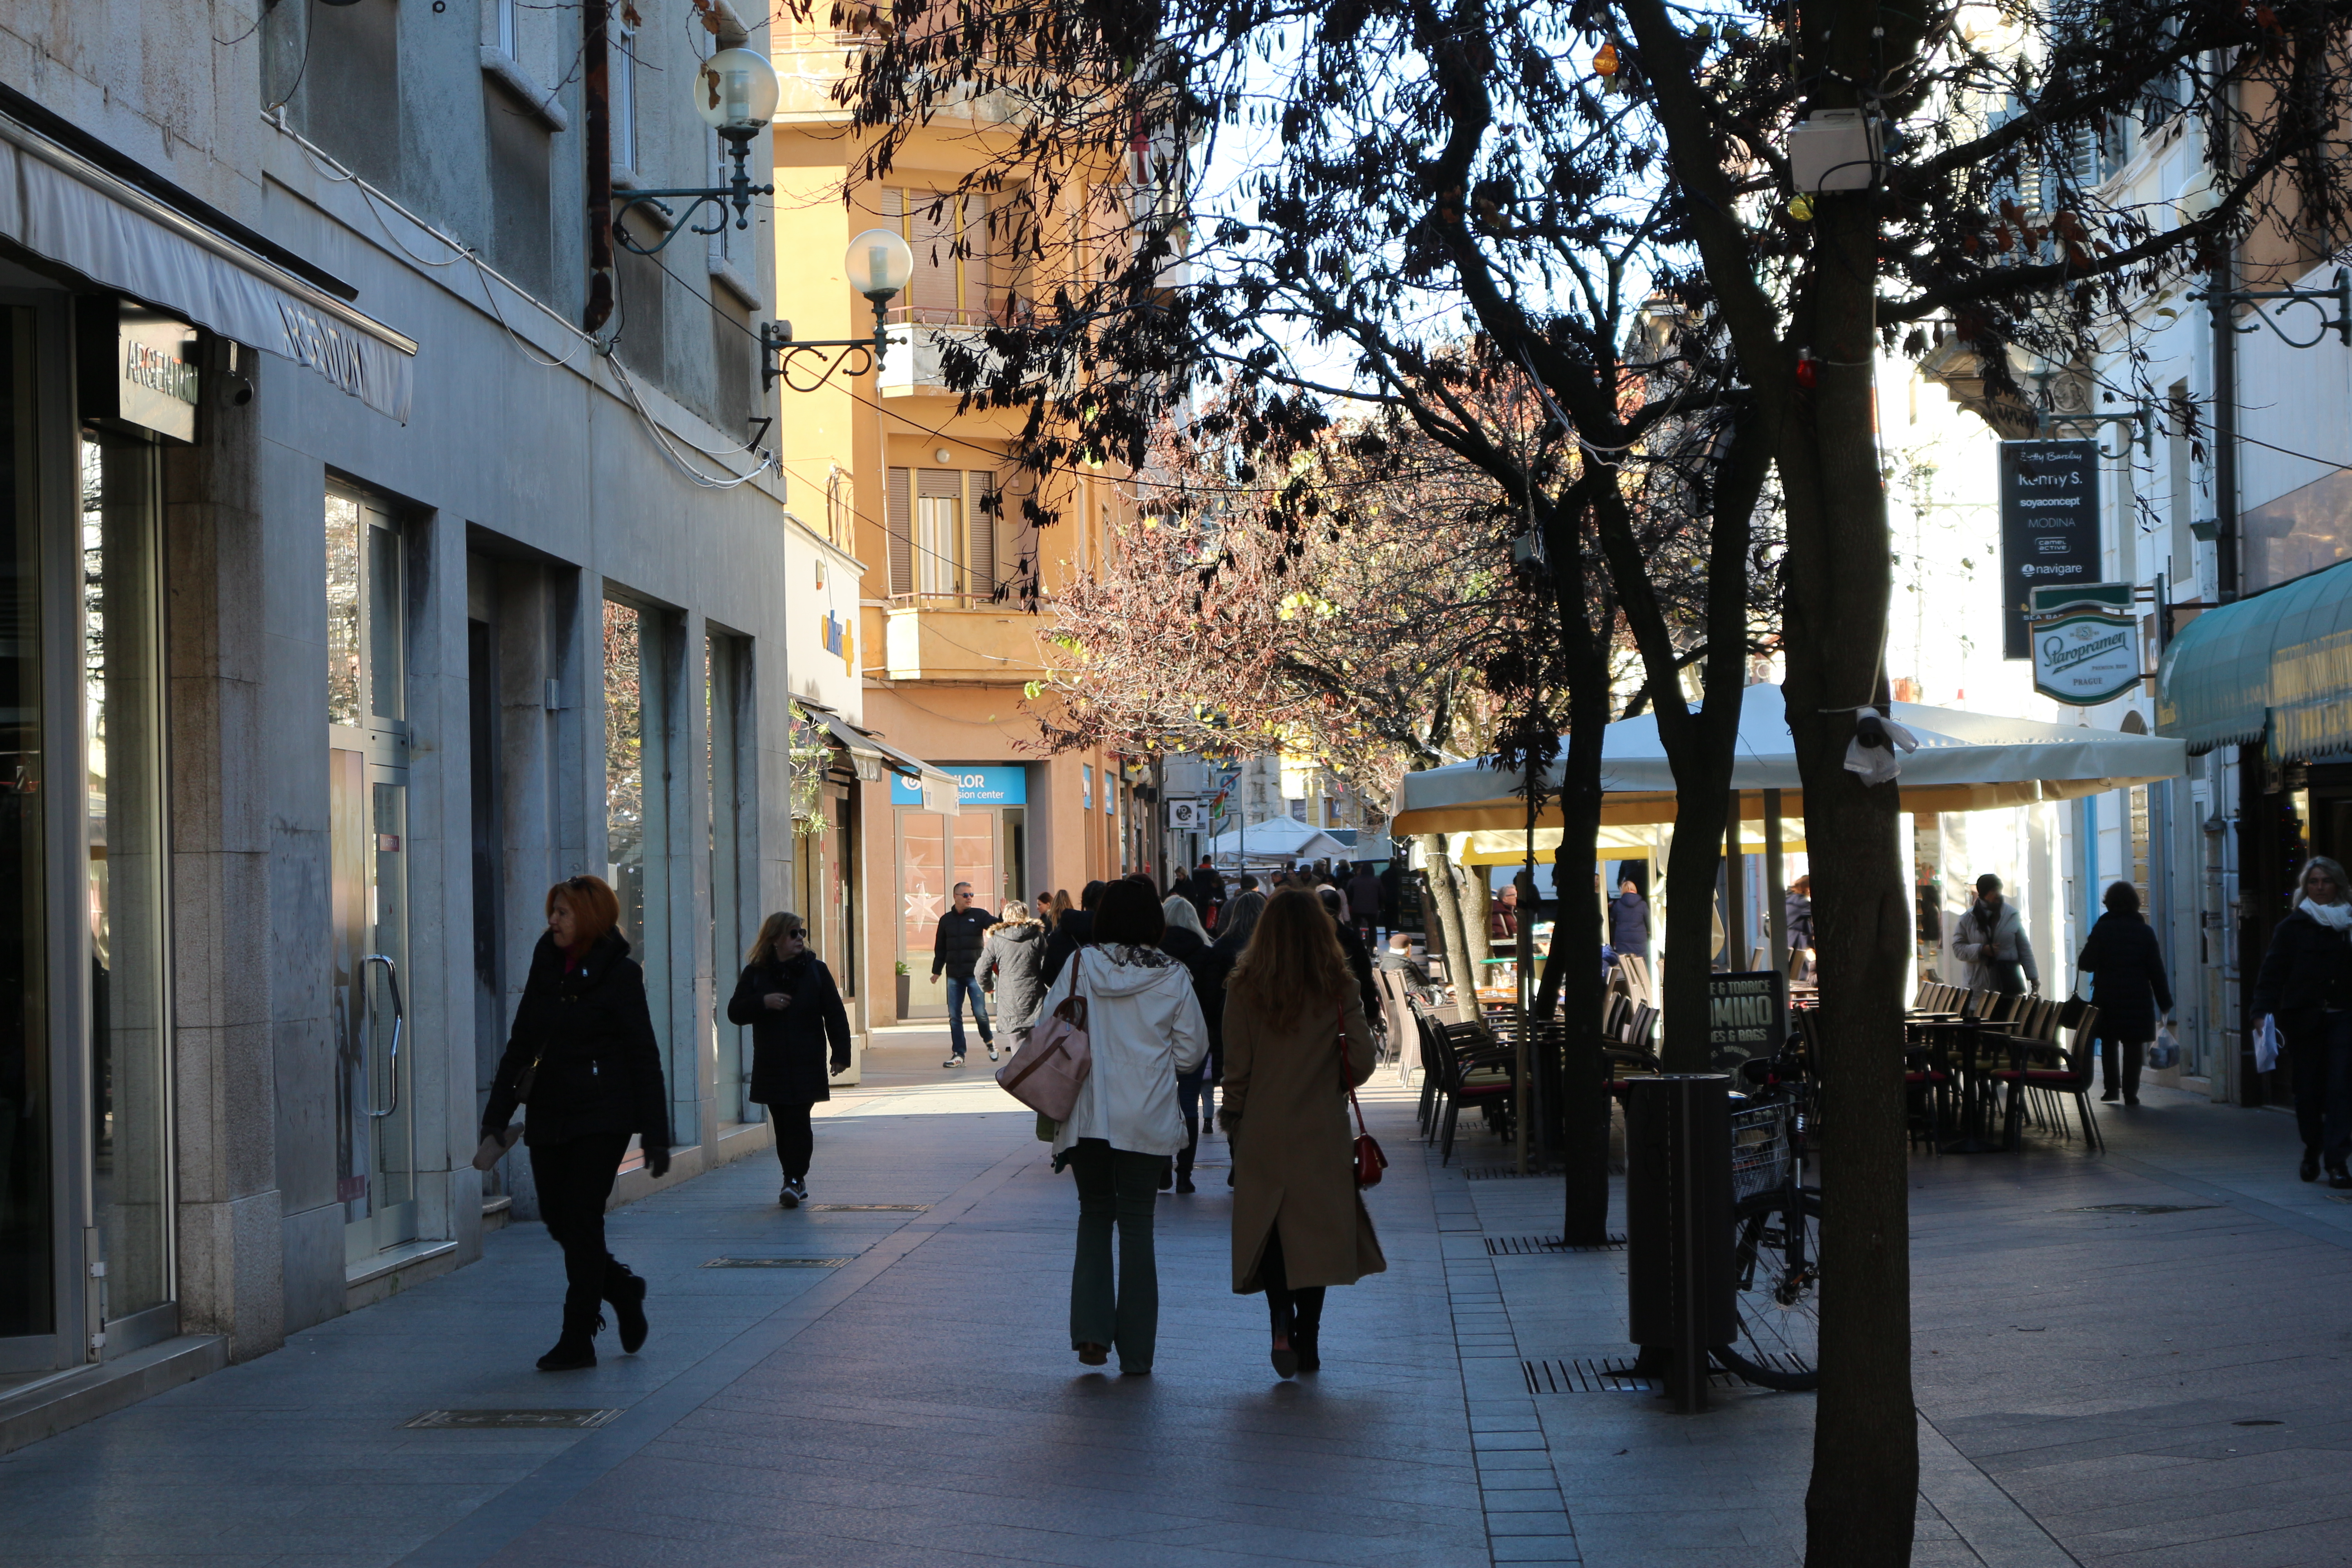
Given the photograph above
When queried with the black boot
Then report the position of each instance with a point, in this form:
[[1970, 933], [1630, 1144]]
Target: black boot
[[626, 1291], [576, 1349], [2310, 1168]]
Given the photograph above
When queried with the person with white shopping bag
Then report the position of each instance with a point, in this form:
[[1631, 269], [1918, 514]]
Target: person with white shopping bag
[[2305, 988]]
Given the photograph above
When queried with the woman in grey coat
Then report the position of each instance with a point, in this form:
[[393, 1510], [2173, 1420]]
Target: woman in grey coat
[[1991, 939], [1012, 965]]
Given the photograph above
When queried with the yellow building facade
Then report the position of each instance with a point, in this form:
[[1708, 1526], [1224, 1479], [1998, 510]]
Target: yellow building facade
[[941, 640]]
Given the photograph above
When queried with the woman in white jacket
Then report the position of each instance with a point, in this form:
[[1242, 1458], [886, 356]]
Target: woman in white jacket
[[1143, 1026]]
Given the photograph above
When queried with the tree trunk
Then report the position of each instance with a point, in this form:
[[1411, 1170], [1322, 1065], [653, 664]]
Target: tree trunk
[[1439, 882], [1573, 974], [1691, 865], [1859, 1508]]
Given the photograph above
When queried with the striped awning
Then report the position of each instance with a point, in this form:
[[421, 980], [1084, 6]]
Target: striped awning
[[2275, 667]]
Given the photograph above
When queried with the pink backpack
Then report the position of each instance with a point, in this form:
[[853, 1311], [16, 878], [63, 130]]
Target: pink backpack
[[1046, 1074]]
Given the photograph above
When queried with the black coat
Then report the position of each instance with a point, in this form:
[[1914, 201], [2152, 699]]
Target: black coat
[[790, 1063], [1359, 959], [2127, 970], [1076, 931], [599, 1066], [961, 934], [2307, 968], [1208, 967]]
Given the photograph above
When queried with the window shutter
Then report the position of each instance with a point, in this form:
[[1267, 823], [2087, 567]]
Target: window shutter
[[902, 531], [941, 484], [932, 233], [975, 265], [980, 548]]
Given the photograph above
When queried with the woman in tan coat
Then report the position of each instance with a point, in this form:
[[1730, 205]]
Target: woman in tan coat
[[1295, 1039]]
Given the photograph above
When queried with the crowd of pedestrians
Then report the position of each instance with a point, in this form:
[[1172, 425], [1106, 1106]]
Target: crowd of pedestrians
[[1257, 993]]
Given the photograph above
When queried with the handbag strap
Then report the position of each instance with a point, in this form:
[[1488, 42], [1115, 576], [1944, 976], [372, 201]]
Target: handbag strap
[[1341, 1012]]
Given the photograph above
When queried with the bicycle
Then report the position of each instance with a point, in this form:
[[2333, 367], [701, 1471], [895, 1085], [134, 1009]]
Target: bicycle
[[1776, 1235]]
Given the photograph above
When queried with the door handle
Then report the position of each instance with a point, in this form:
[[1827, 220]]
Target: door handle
[[399, 1016]]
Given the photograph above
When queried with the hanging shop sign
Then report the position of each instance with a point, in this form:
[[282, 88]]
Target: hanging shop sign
[[1747, 1015], [2085, 657], [2049, 528], [138, 367], [1187, 815]]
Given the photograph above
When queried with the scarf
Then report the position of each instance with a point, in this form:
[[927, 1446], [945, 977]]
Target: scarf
[[2334, 917]]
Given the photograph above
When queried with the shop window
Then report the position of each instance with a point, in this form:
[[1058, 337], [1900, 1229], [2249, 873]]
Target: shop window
[[122, 716], [640, 817], [726, 694], [27, 1239]]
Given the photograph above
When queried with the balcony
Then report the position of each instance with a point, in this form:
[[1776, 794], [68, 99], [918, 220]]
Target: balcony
[[948, 636]]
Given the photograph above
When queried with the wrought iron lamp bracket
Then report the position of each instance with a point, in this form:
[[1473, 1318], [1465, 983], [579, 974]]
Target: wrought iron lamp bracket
[[2142, 433], [2339, 294], [737, 193], [779, 352]]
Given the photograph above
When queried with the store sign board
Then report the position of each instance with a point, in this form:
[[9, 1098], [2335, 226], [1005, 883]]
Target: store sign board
[[975, 786], [1187, 815], [1747, 1015], [2086, 658], [138, 367], [2049, 528]]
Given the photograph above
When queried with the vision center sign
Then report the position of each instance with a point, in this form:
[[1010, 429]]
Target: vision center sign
[[2086, 656], [2049, 528]]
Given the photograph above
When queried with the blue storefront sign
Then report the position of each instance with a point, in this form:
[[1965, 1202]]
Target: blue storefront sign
[[978, 786]]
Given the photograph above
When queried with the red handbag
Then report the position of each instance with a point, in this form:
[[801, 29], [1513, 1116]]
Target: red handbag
[[1370, 1160]]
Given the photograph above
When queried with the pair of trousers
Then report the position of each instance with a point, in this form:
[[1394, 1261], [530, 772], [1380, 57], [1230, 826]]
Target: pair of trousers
[[1196, 1101], [958, 989], [795, 1138], [575, 1179], [1115, 1186], [2127, 1055], [2319, 1060], [1299, 1311]]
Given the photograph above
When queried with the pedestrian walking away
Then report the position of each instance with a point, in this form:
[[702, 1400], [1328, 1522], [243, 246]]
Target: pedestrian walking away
[[1360, 957], [962, 932], [1073, 930], [1798, 908], [800, 1037], [1196, 1095], [1011, 965], [1143, 1028], [1296, 1041], [582, 1059], [1991, 939], [2128, 986], [1364, 902], [1629, 920], [2305, 988]]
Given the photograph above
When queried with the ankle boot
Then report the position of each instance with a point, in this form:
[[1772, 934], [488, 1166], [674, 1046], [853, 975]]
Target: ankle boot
[[627, 1292], [576, 1348]]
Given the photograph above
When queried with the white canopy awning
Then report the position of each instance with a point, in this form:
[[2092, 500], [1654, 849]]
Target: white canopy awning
[[1280, 838], [58, 205], [1966, 762]]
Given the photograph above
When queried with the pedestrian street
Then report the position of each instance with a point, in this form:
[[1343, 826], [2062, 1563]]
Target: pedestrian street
[[908, 1398]]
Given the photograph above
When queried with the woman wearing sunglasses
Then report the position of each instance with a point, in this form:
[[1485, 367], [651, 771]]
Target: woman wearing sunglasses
[[788, 998]]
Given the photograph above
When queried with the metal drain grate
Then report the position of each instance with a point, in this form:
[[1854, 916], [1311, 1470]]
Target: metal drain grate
[[2142, 1208], [775, 1263], [1506, 1172], [869, 1208], [1537, 1246], [514, 1420], [1592, 1374]]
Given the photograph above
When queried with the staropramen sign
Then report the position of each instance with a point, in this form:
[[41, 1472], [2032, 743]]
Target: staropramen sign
[[2085, 657]]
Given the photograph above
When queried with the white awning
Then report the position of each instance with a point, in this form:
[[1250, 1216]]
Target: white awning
[[62, 207]]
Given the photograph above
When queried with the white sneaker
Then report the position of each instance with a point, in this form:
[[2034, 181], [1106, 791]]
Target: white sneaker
[[952, 1062]]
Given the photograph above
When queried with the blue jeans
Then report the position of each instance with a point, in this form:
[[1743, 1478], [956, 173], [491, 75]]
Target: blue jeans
[[1196, 1101], [958, 989]]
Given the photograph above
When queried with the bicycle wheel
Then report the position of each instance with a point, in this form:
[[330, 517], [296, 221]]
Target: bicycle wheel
[[1777, 1270]]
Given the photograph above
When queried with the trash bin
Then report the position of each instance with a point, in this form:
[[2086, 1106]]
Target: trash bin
[[1679, 1269]]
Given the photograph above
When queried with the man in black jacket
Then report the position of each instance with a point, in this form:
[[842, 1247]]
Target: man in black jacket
[[963, 931]]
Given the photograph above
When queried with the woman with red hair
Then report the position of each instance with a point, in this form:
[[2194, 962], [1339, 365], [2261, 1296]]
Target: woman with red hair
[[583, 1057]]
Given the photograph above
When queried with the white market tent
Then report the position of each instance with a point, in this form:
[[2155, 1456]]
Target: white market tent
[[1966, 762], [1279, 838]]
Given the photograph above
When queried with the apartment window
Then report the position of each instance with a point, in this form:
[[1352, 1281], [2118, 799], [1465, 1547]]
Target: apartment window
[[621, 81], [946, 288], [506, 25], [942, 537], [640, 815]]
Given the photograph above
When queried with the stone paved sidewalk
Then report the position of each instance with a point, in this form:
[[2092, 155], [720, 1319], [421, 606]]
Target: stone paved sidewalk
[[2079, 1375]]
